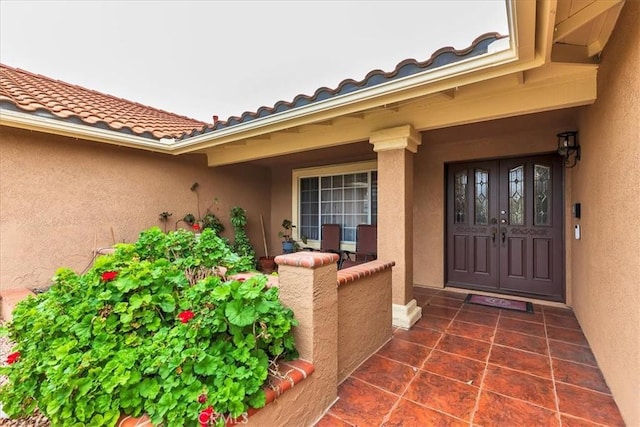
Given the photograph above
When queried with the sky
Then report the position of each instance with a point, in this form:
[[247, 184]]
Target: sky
[[206, 58]]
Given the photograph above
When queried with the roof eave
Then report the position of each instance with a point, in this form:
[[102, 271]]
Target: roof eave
[[37, 123], [529, 40]]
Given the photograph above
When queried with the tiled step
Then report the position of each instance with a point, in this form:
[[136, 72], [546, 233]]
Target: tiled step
[[11, 297]]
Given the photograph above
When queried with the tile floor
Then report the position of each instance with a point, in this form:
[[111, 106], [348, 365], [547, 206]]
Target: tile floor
[[470, 365]]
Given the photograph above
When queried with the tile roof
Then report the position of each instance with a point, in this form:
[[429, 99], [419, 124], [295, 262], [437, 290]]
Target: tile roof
[[23, 91], [441, 57], [33, 93]]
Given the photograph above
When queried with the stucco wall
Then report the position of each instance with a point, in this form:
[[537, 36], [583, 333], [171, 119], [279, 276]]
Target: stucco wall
[[62, 198], [364, 319], [514, 136], [606, 261]]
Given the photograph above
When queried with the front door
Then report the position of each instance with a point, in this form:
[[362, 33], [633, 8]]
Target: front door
[[504, 226]]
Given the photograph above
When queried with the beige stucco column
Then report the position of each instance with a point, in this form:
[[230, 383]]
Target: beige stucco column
[[395, 148]]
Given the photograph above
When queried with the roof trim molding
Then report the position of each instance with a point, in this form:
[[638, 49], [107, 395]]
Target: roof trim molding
[[59, 127], [507, 55]]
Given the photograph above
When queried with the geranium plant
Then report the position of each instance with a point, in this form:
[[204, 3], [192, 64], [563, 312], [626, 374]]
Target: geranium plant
[[155, 328]]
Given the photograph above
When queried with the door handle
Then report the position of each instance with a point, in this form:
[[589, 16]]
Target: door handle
[[503, 232], [494, 231]]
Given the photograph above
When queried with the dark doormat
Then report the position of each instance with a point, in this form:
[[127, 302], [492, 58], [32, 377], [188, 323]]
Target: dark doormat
[[508, 304]]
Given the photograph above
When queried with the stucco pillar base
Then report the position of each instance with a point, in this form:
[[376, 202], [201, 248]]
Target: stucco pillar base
[[405, 316]]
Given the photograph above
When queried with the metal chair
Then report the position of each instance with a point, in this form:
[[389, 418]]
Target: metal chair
[[366, 246], [330, 241]]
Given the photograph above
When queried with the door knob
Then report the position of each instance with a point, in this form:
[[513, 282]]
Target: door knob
[[494, 231], [503, 233]]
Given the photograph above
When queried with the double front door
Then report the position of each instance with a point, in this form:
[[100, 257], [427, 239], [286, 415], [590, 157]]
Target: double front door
[[504, 226]]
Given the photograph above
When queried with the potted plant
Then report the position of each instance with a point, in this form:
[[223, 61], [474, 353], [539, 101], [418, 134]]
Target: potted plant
[[156, 328], [288, 243]]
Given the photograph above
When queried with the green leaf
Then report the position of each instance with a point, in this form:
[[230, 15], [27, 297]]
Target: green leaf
[[208, 365], [240, 315], [166, 302], [149, 388], [221, 292], [252, 288], [257, 400]]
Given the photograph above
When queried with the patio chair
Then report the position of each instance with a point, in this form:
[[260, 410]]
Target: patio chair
[[366, 246], [330, 241]]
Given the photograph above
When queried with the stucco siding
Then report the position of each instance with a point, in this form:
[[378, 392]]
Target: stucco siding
[[606, 261], [63, 198]]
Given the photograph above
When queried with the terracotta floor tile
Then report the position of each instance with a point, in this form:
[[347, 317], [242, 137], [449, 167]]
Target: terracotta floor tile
[[477, 308], [410, 414], [571, 336], [520, 341], [405, 352], [454, 295], [589, 405], [531, 363], [580, 375], [426, 337], [485, 319], [426, 291], [385, 373], [435, 323], [496, 411], [536, 390], [440, 393], [536, 317], [516, 325], [466, 347], [445, 302], [562, 321], [455, 367], [568, 421], [439, 311], [471, 330], [422, 299], [331, 421], [558, 311], [362, 404], [572, 352]]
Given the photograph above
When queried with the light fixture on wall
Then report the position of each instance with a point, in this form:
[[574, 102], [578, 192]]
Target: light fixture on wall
[[568, 146]]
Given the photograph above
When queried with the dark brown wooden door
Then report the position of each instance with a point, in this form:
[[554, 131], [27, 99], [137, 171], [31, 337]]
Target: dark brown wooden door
[[504, 226]]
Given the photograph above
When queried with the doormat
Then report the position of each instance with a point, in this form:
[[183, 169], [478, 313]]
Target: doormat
[[508, 304]]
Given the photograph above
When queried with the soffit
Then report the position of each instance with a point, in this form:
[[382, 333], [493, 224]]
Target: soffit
[[582, 28]]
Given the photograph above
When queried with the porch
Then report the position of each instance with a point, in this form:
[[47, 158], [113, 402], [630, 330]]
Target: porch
[[465, 364]]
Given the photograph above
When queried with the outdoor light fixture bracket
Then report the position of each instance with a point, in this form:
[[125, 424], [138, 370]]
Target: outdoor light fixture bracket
[[568, 146]]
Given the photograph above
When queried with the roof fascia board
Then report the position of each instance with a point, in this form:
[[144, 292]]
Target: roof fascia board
[[59, 127], [543, 91], [430, 76]]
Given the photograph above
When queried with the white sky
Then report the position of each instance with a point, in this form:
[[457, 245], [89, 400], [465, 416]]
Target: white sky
[[200, 59]]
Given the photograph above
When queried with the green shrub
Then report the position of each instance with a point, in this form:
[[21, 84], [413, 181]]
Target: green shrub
[[154, 328]]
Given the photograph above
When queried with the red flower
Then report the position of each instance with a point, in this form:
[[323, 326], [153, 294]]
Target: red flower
[[202, 398], [205, 416], [185, 316], [108, 276], [196, 227], [13, 357]]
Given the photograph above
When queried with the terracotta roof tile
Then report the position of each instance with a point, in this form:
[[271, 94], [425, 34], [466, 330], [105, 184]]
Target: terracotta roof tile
[[24, 91], [441, 57]]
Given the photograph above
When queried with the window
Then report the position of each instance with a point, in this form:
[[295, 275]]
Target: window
[[344, 194]]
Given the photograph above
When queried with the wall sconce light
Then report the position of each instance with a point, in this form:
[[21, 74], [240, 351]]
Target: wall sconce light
[[568, 146]]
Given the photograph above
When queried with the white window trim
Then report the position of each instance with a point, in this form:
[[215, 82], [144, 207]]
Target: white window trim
[[341, 169]]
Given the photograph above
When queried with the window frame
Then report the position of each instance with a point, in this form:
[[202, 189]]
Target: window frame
[[320, 171]]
